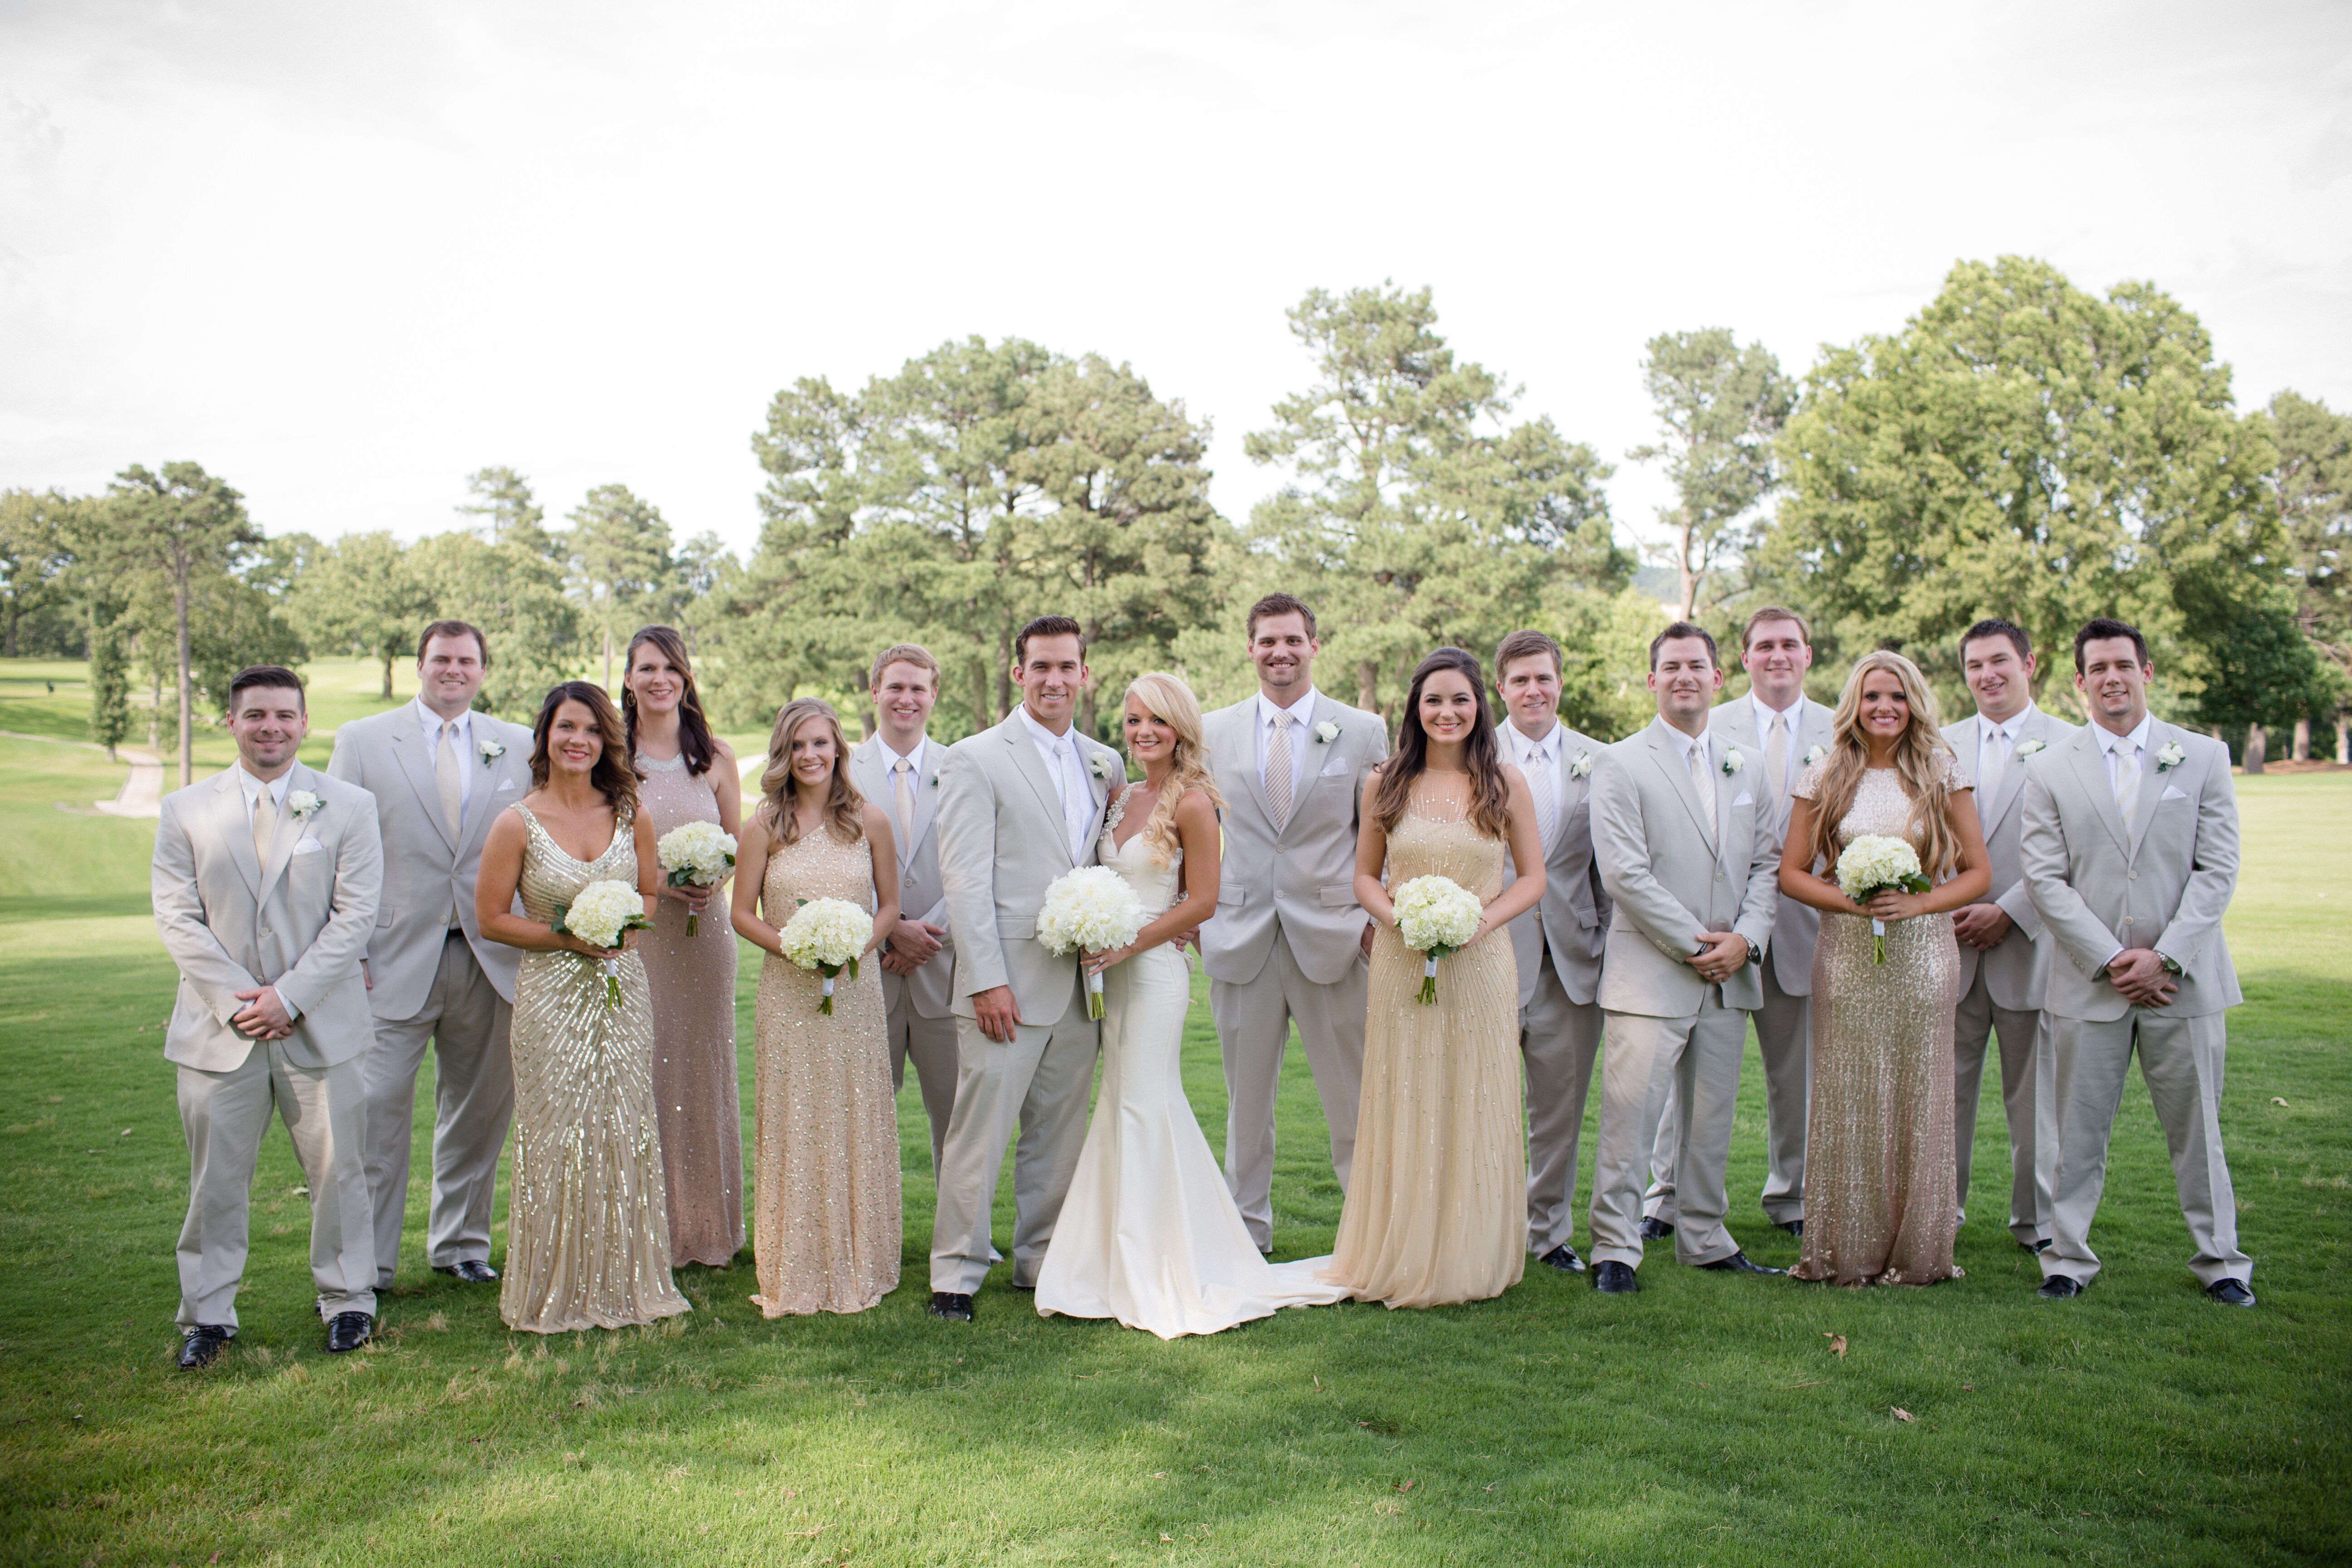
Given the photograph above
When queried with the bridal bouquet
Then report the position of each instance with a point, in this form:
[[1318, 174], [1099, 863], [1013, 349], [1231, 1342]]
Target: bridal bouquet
[[1879, 863], [828, 935], [697, 854], [1091, 910], [1435, 915], [598, 915]]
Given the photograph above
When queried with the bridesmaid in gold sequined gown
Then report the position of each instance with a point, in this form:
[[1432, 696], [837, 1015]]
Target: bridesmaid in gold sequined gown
[[1882, 1202], [825, 1221], [1436, 1203], [587, 1227]]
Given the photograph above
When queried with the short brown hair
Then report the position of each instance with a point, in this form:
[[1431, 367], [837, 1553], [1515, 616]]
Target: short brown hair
[[1685, 629], [275, 676], [453, 629], [1522, 645], [1048, 626], [1277, 604], [1774, 613], [2102, 628], [1994, 626], [903, 653]]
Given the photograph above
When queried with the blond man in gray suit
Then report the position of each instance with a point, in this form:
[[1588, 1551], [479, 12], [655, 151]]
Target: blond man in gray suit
[[1289, 938], [2131, 855], [898, 768], [440, 773], [265, 886], [1689, 856], [1557, 943]]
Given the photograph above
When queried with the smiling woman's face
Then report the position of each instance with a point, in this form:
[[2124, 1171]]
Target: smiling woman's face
[[1885, 710], [1449, 706], [574, 740], [812, 751]]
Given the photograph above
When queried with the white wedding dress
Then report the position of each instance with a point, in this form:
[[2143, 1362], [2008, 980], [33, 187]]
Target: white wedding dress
[[1150, 1235]]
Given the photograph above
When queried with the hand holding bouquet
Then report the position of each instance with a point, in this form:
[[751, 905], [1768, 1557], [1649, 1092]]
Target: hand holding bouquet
[[697, 855], [1879, 863], [1436, 916], [827, 935], [1091, 910], [600, 914]]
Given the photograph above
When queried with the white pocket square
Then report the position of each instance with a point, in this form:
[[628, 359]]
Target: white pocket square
[[2171, 794], [308, 847], [1744, 799], [1335, 768], [505, 784]]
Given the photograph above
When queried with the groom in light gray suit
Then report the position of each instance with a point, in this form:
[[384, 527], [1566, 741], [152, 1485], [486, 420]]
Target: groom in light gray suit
[[440, 773], [1289, 938], [2131, 855], [1020, 804], [1688, 852]]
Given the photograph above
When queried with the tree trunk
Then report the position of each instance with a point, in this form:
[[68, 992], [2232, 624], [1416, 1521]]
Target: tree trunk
[[188, 686], [1690, 577], [155, 714], [608, 660], [2256, 744], [2344, 739], [1368, 687], [2303, 739], [387, 675]]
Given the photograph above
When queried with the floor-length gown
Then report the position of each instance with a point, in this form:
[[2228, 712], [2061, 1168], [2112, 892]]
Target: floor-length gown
[[693, 982], [1436, 1203], [587, 1227], [1149, 1234], [1881, 1199], [825, 1226]]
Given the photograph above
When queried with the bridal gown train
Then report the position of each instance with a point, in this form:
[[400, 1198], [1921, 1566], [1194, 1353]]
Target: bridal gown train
[[1150, 1235]]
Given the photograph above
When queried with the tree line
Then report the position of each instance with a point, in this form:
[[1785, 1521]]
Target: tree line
[[2021, 446]]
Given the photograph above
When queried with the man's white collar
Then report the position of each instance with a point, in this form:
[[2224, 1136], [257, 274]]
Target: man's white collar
[[432, 721], [1527, 748], [1765, 710], [2009, 726], [1301, 710], [914, 759], [2109, 740], [1044, 735], [252, 786]]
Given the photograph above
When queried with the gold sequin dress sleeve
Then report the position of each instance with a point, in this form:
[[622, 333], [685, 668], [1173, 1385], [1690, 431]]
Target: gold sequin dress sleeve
[[587, 1227], [826, 1223], [1882, 1202]]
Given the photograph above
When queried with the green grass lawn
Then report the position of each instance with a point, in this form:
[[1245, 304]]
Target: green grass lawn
[[1704, 1421]]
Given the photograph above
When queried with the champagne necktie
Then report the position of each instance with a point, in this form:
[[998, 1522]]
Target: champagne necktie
[[1990, 766], [1541, 785], [1776, 756], [1277, 772], [264, 829], [450, 779], [2127, 756], [902, 800], [1703, 780]]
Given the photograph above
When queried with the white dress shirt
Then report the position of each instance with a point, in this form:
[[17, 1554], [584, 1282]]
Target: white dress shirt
[[1792, 763], [1302, 713], [1534, 756], [468, 759], [1070, 776], [2122, 751], [253, 789], [1997, 750], [890, 756]]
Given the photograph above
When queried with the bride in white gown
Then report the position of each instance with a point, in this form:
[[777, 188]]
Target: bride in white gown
[[1150, 1235]]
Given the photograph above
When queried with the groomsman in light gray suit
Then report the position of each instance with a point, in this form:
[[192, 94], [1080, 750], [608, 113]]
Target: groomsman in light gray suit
[[439, 773], [1557, 943], [265, 887], [2131, 855], [1289, 940], [898, 768], [2003, 960], [1020, 804], [1688, 853]]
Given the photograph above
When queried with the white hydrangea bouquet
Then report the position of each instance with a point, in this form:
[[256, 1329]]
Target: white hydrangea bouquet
[[828, 935], [1091, 910], [697, 855], [1879, 863], [1435, 915], [599, 915]]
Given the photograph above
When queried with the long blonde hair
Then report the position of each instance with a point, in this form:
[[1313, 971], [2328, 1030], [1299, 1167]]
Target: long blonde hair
[[845, 808], [1916, 764], [1167, 698]]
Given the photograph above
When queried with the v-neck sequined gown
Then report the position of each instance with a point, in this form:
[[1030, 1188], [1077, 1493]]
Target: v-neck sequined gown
[[587, 1225]]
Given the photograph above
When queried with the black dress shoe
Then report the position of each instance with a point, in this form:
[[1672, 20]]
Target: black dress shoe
[[1795, 1228], [2231, 1292], [473, 1271], [1740, 1263], [347, 1332], [1564, 1258], [2060, 1287], [1615, 1279], [948, 1305], [2036, 1247], [201, 1346], [1658, 1229]]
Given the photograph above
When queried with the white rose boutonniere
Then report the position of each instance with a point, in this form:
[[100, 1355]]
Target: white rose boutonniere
[[1326, 733], [1733, 762], [1582, 767], [492, 748], [2027, 748], [2171, 757], [1814, 754], [1099, 764], [301, 804]]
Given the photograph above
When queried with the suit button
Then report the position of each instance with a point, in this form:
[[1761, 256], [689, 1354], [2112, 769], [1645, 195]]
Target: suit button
[[2133, 876]]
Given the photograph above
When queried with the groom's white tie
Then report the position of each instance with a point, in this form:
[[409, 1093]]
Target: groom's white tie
[[1544, 787], [1277, 771], [902, 800], [2124, 767], [265, 829], [1703, 780], [450, 780]]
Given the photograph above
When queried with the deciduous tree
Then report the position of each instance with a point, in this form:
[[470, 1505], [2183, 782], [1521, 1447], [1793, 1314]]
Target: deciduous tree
[[1719, 408]]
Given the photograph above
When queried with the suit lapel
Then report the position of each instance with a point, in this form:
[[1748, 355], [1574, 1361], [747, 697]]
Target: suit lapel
[[288, 831], [1033, 767], [1665, 751], [2012, 775], [484, 805], [408, 747], [2091, 772], [228, 808], [2151, 787], [1726, 794], [1243, 741], [927, 805]]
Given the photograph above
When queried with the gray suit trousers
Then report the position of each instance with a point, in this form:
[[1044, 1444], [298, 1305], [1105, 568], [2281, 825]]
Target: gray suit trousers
[[2028, 1097], [1558, 1040], [1698, 1058], [931, 1042], [1784, 1029]]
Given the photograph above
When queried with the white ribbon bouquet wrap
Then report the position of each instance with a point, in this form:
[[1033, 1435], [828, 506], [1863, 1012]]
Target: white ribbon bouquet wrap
[[598, 915], [1879, 863], [1436, 916], [1091, 910], [828, 935], [697, 855]]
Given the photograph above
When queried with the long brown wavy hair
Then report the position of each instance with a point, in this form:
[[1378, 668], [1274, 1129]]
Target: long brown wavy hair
[[1167, 698], [1916, 764], [1490, 794], [844, 806], [694, 742], [615, 775]]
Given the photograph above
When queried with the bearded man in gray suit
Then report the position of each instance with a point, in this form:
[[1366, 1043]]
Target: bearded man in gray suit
[[439, 773], [2131, 855], [265, 886], [2004, 960], [1289, 938], [1557, 943], [1020, 804]]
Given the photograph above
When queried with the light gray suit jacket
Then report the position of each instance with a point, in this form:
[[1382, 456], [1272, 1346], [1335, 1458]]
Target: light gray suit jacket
[[1302, 879], [2013, 967], [1798, 926], [1572, 916], [385, 754], [921, 895], [2166, 884], [1001, 845], [298, 923], [1667, 885]]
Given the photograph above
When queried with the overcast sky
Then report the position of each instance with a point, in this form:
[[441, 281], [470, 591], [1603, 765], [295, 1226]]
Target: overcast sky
[[344, 255]]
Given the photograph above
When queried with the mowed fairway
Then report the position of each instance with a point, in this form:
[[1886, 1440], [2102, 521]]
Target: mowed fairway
[[1707, 1420]]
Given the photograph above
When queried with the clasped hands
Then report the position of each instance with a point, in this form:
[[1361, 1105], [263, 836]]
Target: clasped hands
[[1981, 926], [264, 1017], [2139, 973], [913, 944], [1719, 957]]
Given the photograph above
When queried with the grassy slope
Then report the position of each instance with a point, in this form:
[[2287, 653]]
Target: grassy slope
[[1704, 1421]]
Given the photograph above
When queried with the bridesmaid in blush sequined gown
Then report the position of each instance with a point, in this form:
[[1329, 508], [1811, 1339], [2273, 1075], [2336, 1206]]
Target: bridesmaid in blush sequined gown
[[826, 1223], [1881, 1191], [587, 1229]]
